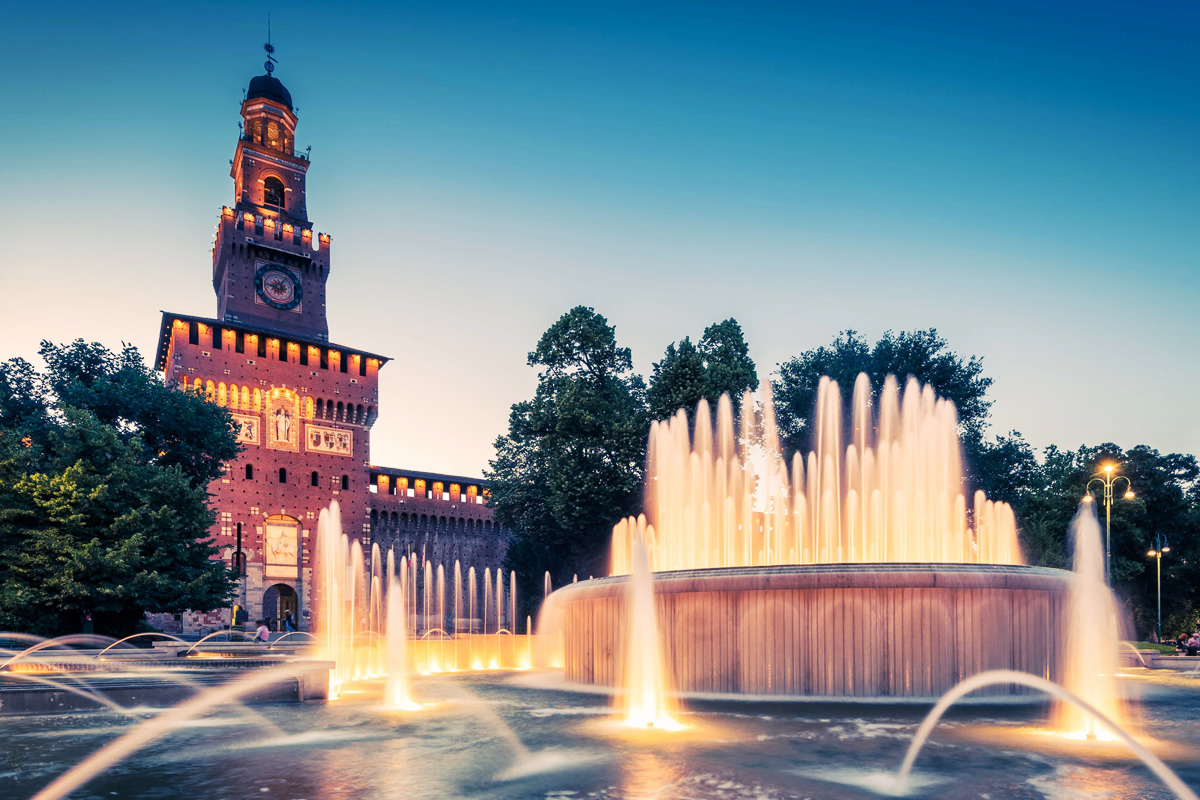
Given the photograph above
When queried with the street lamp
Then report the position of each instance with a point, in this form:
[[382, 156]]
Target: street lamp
[[1107, 480], [1160, 547]]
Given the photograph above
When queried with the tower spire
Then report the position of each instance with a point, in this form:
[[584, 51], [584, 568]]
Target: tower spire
[[270, 48]]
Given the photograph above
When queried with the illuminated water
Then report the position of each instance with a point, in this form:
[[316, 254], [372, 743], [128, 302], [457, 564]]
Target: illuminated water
[[352, 749], [647, 701], [888, 488], [1093, 633]]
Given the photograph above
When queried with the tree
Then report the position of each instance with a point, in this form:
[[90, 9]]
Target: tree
[[571, 464], [921, 354], [1006, 469], [1166, 501], [103, 493], [720, 364]]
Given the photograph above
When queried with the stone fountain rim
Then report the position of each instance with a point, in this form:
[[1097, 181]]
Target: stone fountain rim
[[834, 576]]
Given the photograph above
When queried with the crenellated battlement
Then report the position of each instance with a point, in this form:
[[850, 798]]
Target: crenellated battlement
[[244, 227]]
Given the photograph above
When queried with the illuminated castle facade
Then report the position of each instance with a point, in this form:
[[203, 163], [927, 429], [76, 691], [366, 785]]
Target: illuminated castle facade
[[304, 406]]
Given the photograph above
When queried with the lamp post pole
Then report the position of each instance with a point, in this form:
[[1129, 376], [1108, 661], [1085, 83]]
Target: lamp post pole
[[1107, 479], [1160, 546]]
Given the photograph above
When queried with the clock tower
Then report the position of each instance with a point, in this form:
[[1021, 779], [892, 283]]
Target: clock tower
[[270, 268], [302, 406]]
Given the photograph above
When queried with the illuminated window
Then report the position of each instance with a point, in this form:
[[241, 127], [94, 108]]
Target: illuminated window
[[419, 486], [210, 391], [401, 486], [455, 491], [233, 396], [308, 410], [245, 398], [472, 492], [273, 192], [257, 400], [437, 489], [273, 135], [221, 396]]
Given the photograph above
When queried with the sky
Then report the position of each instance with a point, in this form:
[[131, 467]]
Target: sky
[[1022, 176]]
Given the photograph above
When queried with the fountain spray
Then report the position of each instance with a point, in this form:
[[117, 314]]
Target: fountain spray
[[647, 685]]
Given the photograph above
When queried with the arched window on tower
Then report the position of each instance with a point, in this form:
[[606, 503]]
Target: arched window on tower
[[273, 192], [316, 480], [249, 472], [345, 482], [282, 475]]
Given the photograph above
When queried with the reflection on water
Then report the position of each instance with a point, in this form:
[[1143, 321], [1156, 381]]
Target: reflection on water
[[647, 774], [352, 749]]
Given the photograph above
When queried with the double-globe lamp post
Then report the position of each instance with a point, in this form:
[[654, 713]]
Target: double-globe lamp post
[[1160, 546], [1107, 479]]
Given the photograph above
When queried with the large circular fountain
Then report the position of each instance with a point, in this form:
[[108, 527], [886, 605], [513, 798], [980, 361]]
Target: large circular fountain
[[831, 630], [860, 570]]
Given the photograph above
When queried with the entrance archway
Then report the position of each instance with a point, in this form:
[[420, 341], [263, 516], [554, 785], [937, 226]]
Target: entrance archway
[[278, 600]]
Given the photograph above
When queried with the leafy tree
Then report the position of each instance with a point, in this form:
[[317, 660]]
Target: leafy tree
[[103, 499], [1167, 502], [1006, 469], [720, 364], [921, 354], [571, 464]]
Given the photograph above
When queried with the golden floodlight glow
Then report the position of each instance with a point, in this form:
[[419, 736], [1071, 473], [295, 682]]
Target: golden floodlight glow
[[1087, 498]]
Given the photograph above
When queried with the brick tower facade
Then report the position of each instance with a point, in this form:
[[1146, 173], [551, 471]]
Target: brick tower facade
[[304, 406]]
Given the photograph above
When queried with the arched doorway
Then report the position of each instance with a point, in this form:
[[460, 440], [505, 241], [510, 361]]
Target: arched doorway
[[278, 600]]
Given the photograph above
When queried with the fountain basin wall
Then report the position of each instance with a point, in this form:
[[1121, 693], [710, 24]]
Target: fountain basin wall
[[828, 630]]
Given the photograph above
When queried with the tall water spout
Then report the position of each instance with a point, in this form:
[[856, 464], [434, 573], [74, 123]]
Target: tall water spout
[[1093, 634], [397, 693], [647, 703], [886, 488]]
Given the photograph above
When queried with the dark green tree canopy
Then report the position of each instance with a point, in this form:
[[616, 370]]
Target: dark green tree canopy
[[921, 354], [1166, 501], [720, 364], [571, 463], [103, 492]]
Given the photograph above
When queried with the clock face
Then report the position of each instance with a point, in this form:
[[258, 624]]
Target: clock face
[[278, 286]]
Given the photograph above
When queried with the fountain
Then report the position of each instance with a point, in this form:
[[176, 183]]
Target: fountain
[[647, 698], [864, 581], [859, 572], [1093, 635], [397, 693], [354, 634]]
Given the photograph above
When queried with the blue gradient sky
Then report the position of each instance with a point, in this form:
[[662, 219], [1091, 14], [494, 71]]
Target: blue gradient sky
[[1024, 178]]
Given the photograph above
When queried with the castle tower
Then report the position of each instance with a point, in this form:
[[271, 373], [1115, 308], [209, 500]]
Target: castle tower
[[271, 268], [303, 406]]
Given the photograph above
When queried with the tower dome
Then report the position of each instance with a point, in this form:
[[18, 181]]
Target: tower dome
[[269, 87]]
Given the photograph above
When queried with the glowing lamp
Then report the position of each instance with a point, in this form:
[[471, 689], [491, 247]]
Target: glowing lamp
[[1087, 498], [1152, 553], [1108, 467], [1129, 494], [1166, 548]]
